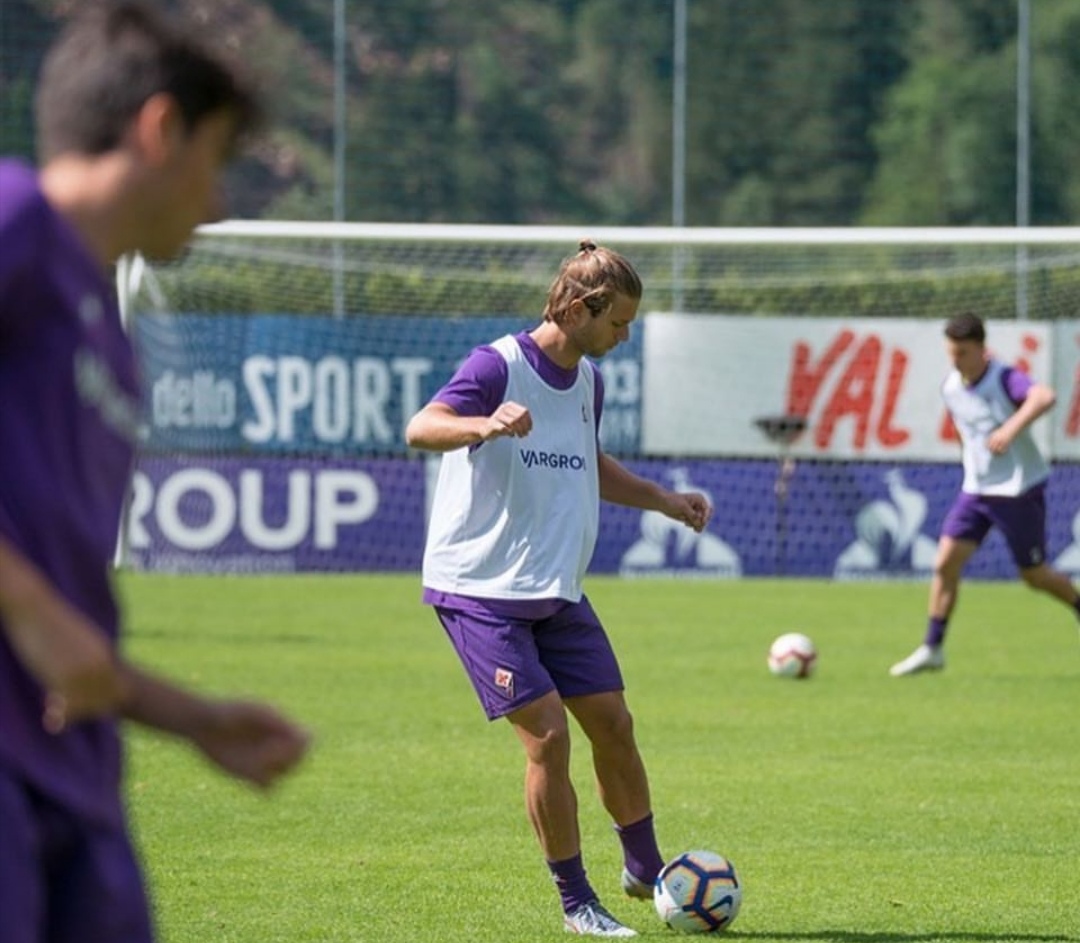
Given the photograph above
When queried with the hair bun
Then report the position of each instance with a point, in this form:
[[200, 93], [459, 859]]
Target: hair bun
[[586, 245]]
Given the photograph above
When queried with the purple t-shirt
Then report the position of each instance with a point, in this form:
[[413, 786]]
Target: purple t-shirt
[[69, 412], [479, 385], [1016, 384], [477, 389]]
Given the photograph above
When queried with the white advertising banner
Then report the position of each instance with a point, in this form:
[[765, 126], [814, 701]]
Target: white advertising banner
[[867, 388], [1066, 415]]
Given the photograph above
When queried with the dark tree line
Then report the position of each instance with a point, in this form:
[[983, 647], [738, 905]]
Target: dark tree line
[[884, 112]]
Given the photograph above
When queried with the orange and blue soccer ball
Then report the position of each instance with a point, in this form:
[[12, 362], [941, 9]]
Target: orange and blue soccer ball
[[698, 892]]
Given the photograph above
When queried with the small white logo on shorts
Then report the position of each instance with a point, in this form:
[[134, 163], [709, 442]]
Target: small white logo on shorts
[[505, 679]]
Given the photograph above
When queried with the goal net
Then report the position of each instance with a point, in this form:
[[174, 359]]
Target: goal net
[[791, 374]]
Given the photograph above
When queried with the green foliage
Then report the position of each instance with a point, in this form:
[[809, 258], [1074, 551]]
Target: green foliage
[[24, 27], [843, 113], [16, 127], [781, 109], [948, 148], [884, 281], [855, 806]]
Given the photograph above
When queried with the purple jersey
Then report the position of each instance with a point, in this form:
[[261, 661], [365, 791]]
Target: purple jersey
[[479, 385], [1017, 384], [69, 411]]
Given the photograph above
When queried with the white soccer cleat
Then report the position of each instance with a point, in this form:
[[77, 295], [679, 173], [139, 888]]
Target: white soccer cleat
[[635, 887], [591, 919], [924, 658]]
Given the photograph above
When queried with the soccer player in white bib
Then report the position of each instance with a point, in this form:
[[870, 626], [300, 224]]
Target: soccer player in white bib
[[992, 406], [513, 526]]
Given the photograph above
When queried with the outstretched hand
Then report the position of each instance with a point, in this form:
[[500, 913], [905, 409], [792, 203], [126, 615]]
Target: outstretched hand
[[251, 741]]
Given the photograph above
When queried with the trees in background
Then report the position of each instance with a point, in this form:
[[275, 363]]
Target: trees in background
[[783, 108], [559, 111]]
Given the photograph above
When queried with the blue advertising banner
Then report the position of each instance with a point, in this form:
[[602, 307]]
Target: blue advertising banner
[[838, 520], [280, 384], [261, 514]]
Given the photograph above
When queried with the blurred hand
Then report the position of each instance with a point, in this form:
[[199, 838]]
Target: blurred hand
[[998, 441], [73, 661], [251, 741]]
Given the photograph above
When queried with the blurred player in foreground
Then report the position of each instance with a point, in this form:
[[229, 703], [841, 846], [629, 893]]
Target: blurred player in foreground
[[992, 406], [135, 120], [513, 527]]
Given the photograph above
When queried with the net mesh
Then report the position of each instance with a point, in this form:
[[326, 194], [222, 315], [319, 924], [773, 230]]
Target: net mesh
[[438, 276], [282, 368]]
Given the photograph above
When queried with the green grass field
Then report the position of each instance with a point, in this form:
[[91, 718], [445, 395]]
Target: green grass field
[[857, 807]]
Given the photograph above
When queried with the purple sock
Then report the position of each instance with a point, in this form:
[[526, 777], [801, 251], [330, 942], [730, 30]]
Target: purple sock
[[574, 888], [935, 631], [641, 856]]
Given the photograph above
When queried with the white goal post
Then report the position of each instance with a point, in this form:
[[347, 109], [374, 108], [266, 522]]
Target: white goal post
[[648, 235], [344, 268]]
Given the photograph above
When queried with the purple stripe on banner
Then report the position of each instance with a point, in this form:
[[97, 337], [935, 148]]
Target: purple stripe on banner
[[840, 520], [274, 514]]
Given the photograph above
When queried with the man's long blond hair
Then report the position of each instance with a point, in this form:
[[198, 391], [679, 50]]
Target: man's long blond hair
[[594, 276]]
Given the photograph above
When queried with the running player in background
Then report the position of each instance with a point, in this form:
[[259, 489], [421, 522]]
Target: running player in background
[[136, 120], [513, 527], [992, 406]]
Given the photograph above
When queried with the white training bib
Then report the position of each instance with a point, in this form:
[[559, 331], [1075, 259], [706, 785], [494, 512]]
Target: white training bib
[[517, 518]]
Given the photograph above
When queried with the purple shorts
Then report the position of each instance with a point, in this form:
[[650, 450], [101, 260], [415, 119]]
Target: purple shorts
[[64, 879], [1021, 520], [514, 661]]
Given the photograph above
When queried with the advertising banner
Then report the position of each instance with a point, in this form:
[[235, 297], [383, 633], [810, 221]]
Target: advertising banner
[[866, 388], [261, 514], [1065, 418], [278, 384], [840, 520], [690, 385]]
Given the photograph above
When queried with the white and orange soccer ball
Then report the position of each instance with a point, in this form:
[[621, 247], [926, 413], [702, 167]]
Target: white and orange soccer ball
[[698, 892], [792, 655]]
